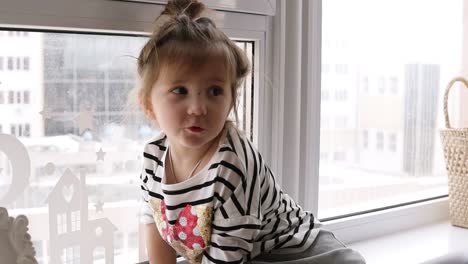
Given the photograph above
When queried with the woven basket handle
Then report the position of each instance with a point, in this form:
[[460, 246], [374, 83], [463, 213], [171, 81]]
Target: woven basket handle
[[447, 90]]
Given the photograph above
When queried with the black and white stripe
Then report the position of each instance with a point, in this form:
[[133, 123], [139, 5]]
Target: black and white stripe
[[251, 213]]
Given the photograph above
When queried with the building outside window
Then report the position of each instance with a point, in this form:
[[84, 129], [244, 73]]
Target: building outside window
[[10, 63]]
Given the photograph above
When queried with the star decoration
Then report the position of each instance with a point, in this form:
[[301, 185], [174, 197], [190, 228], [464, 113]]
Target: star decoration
[[99, 206], [85, 120], [100, 154], [45, 114]]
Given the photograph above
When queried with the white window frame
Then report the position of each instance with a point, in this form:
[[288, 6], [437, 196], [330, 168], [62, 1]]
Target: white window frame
[[290, 59]]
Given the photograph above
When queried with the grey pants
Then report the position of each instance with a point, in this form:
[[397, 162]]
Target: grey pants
[[326, 249]]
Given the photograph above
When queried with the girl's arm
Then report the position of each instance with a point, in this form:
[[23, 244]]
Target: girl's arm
[[159, 252]]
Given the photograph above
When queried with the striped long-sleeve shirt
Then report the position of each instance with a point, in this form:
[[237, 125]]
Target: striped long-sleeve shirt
[[230, 212]]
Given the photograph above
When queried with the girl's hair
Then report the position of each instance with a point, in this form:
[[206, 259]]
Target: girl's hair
[[185, 36]]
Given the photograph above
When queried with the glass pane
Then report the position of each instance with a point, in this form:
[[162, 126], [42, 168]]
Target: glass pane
[[66, 104], [385, 67], [245, 103]]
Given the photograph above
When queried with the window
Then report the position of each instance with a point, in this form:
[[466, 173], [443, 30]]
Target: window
[[26, 63], [325, 95], [2, 98], [325, 68], [341, 95], [341, 122], [92, 84], [392, 142], [75, 221], [339, 156], [18, 63], [323, 155], [365, 84], [324, 122], [1, 128], [397, 124], [246, 106], [381, 87], [10, 63], [341, 68], [1, 63], [99, 254], [27, 130], [394, 85], [11, 97], [379, 140], [20, 130], [365, 139], [26, 97], [39, 248], [61, 223], [71, 255]]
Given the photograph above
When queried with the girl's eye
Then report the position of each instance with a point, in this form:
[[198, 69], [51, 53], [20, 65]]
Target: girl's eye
[[216, 91], [180, 90]]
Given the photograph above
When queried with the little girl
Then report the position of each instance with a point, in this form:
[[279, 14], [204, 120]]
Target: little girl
[[209, 196]]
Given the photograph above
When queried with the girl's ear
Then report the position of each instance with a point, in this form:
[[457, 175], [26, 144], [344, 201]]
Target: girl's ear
[[147, 107]]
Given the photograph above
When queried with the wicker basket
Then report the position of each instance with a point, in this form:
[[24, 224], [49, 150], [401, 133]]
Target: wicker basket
[[455, 145]]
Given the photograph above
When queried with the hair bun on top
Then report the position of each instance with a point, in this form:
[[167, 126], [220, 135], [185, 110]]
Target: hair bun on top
[[190, 8]]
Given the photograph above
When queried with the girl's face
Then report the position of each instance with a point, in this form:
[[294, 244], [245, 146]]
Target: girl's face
[[191, 104]]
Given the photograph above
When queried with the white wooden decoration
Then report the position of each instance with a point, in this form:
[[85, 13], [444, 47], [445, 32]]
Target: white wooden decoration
[[15, 242], [72, 234], [20, 162]]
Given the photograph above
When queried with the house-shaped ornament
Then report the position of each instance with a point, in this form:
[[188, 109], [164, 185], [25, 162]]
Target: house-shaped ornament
[[74, 238]]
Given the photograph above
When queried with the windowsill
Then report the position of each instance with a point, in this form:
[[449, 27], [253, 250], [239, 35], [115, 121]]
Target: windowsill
[[415, 245]]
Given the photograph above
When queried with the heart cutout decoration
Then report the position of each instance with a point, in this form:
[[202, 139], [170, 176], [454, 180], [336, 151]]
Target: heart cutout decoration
[[67, 192]]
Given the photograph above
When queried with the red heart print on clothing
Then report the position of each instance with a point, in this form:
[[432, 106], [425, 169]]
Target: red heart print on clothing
[[185, 229]]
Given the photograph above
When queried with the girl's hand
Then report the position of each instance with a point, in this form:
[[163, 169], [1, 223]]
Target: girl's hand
[[159, 252]]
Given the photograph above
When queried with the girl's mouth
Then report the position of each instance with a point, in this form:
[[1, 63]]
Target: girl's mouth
[[195, 129]]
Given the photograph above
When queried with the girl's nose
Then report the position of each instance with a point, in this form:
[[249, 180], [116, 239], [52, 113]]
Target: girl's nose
[[197, 105]]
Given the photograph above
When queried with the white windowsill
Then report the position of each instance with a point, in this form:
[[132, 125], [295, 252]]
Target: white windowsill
[[415, 245]]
